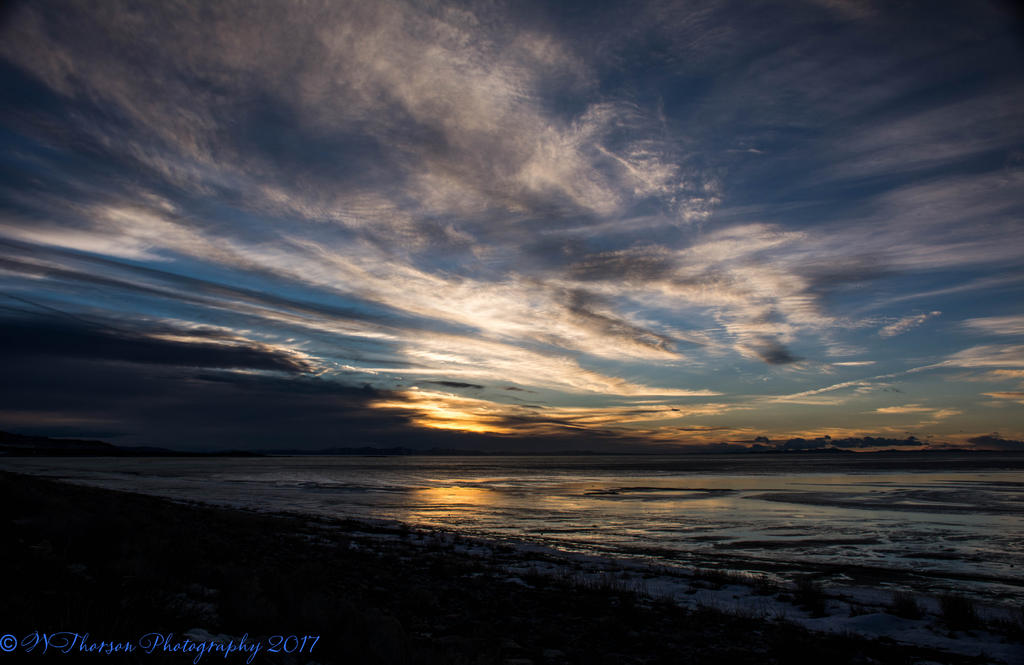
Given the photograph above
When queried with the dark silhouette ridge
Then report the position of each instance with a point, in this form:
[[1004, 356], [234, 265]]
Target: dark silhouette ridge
[[22, 445]]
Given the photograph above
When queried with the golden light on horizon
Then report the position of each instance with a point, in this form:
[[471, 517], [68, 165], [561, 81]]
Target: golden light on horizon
[[438, 410]]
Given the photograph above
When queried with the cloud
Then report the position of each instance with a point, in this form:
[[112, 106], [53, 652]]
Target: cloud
[[996, 442], [799, 397], [1012, 396], [772, 352], [206, 388], [665, 201], [410, 335], [908, 408], [906, 323], [446, 100], [983, 284], [920, 140], [184, 407], [1005, 374], [942, 223], [743, 276], [867, 442], [855, 442], [447, 411], [988, 355], [851, 9], [70, 269], [477, 358], [932, 415], [159, 345], [997, 325], [583, 308], [456, 384]]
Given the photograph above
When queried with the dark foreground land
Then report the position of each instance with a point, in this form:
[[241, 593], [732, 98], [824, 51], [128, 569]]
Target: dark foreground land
[[119, 565]]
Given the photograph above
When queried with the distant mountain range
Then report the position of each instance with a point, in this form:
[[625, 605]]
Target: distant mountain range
[[21, 445]]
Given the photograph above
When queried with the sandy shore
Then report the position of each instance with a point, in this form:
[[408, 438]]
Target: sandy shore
[[122, 566]]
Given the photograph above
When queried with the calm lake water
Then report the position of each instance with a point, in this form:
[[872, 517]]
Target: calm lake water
[[931, 522]]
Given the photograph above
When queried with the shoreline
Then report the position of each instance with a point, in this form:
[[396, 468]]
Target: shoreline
[[382, 593], [925, 569]]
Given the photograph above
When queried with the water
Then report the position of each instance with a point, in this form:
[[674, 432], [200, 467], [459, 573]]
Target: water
[[929, 522]]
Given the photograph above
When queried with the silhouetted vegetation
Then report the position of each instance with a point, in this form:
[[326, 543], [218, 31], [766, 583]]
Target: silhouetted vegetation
[[716, 579], [958, 612], [905, 605], [809, 595]]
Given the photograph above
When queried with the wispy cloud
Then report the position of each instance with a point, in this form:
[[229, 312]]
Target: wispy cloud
[[1006, 374], [907, 408], [932, 415], [445, 410], [1012, 396], [997, 325], [906, 323], [988, 355], [660, 202], [929, 138]]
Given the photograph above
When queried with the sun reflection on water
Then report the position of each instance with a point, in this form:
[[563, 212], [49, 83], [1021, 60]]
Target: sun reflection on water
[[453, 496]]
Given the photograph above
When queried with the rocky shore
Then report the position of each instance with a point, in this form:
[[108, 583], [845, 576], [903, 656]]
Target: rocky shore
[[120, 566]]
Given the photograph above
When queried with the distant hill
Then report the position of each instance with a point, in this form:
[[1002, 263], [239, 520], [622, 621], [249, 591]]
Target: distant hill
[[375, 452], [21, 445]]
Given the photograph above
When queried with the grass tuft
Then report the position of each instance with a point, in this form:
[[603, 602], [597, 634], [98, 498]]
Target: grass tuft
[[905, 605], [958, 611], [810, 596]]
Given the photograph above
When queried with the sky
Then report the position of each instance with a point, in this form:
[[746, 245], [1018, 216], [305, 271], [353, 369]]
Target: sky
[[513, 225]]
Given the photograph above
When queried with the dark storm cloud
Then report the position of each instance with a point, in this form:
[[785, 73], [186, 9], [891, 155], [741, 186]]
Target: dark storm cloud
[[178, 408], [74, 379], [456, 384], [173, 407], [773, 352], [82, 378], [996, 442], [49, 338]]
